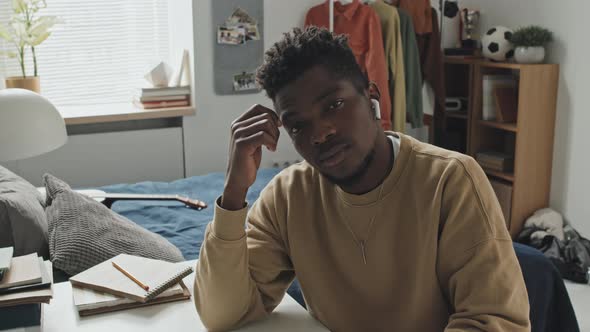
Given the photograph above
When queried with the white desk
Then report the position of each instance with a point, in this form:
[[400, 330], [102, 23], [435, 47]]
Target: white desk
[[580, 297], [61, 316]]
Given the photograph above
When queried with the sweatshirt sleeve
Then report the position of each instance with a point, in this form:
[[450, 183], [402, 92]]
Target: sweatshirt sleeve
[[477, 266], [242, 275]]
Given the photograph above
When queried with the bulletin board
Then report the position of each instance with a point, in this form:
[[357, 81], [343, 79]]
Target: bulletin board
[[238, 27]]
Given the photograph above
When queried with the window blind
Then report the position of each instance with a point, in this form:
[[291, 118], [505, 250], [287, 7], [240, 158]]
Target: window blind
[[100, 51]]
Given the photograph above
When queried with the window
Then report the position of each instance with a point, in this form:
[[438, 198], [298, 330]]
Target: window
[[101, 50]]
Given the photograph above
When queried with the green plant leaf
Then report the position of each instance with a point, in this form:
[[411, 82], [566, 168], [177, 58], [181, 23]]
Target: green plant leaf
[[4, 33], [8, 54], [19, 6], [530, 36], [20, 32], [42, 25], [38, 39]]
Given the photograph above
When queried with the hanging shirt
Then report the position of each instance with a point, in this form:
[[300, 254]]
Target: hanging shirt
[[431, 60], [412, 71], [392, 42], [421, 15], [362, 25]]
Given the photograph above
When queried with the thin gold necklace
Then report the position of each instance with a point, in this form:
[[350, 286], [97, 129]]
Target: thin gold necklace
[[363, 243]]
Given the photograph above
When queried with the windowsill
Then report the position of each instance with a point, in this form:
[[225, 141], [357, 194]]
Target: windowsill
[[80, 115]]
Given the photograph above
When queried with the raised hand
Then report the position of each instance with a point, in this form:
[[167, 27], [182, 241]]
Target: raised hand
[[257, 127]]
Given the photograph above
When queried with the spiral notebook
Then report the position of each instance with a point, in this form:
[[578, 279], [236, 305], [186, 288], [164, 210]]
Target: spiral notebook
[[158, 275], [90, 302]]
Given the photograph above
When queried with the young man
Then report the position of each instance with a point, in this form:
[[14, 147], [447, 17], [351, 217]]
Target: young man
[[384, 233]]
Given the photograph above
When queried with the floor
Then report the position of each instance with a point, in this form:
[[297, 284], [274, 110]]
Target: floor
[[580, 297]]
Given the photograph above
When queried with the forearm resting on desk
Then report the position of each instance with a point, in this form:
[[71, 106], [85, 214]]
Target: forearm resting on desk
[[239, 275]]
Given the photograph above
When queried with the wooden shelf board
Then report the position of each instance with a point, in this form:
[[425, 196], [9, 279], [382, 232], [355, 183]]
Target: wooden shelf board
[[456, 115], [502, 175], [119, 112], [460, 60], [499, 125]]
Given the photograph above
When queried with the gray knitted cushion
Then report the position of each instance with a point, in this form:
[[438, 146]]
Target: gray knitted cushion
[[23, 224], [83, 232]]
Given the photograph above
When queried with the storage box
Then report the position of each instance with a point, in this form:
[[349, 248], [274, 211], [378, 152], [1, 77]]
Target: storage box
[[504, 194]]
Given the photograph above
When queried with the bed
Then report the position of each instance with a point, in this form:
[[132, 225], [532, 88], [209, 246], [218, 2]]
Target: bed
[[551, 308]]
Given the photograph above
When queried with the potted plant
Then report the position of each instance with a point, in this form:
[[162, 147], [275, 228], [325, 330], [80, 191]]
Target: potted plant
[[530, 43], [26, 31]]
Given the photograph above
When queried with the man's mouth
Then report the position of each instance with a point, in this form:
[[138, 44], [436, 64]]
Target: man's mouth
[[333, 156]]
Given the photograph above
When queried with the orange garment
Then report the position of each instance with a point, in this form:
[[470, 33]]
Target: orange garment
[[363, 27], [420, 10]]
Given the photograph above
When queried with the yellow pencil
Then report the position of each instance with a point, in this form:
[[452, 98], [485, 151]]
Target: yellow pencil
[[139, 283]]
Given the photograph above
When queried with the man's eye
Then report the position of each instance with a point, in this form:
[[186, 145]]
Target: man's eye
[[336, 105], [295, 129]]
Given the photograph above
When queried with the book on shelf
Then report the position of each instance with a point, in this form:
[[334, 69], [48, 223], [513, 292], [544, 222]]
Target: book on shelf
[[506, 98], [161, 104], [495, 161], [89, 302], [163, 91], [157, 275], [489, 84], [162, 98]]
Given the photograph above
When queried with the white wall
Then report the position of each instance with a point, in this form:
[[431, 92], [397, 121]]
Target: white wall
[[108, 158], [568, 20]]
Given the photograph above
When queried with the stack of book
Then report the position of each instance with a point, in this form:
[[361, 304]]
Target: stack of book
[[24, 285], [126, 282], [166, 97], [489, 85], [495, 161]]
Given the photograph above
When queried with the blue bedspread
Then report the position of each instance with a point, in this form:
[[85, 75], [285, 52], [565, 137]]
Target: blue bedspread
[[182, 226], [551, 308]]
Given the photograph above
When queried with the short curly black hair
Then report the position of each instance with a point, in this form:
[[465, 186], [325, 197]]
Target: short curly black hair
[[302, 49]]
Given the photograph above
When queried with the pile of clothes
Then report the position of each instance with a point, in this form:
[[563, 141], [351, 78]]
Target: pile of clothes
[[560, 242]]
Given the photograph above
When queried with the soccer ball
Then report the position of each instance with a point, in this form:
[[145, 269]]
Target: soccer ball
[[496, 44]]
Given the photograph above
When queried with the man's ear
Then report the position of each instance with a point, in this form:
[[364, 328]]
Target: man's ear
[[374, 96], [374, 92]]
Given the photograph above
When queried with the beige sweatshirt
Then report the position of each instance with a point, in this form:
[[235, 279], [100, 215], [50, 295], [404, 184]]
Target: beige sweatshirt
[[438, 255]]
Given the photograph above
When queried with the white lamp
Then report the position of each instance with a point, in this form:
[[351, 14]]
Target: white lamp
[[29, 125]]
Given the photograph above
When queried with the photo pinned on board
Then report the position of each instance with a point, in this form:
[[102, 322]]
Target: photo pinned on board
[[241, 19], [240, 16], [245, 82], [231, 35]]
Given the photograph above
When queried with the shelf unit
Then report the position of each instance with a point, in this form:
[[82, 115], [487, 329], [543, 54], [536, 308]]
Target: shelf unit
[[529, 139]]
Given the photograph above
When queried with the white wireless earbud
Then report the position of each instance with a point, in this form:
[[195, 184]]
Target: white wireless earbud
[[376, 108]]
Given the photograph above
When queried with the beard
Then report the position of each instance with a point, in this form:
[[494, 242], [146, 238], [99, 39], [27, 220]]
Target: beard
[[357, 175]]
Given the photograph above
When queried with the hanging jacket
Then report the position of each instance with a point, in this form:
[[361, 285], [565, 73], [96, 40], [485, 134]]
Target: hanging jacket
[[431, 62], [413, 73], [421, 14], [394, 56]]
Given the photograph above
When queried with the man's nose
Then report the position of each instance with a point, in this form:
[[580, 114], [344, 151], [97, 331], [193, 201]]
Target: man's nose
[[322, 133]]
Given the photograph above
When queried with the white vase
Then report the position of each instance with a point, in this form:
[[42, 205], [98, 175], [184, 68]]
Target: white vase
[[524, 54]]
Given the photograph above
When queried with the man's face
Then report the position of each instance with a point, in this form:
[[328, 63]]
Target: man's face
[[331, 124]]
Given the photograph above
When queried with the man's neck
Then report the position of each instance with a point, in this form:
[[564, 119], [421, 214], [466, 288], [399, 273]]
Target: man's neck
[[378, 169]]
